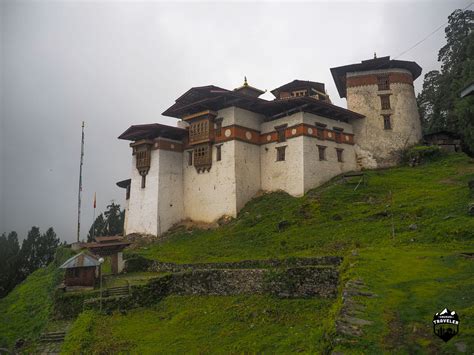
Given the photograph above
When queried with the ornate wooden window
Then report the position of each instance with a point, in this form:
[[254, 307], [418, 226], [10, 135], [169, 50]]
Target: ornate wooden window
[[385, 102], [281, 133], [202, 157], [387, 124], [280, 153], [339, 154], [218, 126], [320, 127], [322, 152], [199, 131], [143, 160], [338, 134], [219, 152], [383, 82]]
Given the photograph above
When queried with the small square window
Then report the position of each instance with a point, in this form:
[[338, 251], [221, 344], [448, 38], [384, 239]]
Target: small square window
[[322, 152], [281, 153], [218, 152], [385, 102], [339, 154], [387, 124]]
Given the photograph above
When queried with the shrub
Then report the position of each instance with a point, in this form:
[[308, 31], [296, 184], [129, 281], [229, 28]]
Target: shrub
[[421, 153]]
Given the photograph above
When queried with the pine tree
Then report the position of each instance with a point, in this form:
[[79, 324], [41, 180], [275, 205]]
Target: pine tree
[[441, 108]]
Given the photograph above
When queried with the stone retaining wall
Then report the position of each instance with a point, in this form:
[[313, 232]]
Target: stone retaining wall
[[296, 282], [159, 266]]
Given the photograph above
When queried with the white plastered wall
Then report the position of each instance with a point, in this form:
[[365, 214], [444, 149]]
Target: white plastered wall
[[209, 195], [287, 175], [376, 146], [170, 192], [318, 172], [143, 202]]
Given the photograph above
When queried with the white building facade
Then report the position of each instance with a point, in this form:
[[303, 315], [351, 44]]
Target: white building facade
[[230, 144]]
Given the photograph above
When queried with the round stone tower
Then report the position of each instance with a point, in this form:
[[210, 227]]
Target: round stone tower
[[382, 90]]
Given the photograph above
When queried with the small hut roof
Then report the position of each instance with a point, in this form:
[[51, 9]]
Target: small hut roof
[[80, 260]]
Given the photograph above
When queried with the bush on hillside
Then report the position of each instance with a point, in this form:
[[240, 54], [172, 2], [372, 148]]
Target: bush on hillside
[[421, 154]]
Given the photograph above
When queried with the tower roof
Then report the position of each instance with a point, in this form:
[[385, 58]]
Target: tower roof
[[246, 89], [298, 84], [339, 73]]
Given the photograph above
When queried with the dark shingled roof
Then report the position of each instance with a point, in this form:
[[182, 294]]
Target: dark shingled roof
[[214, 98], [152, 130], [124, 183], [339, 73], [298, 84]]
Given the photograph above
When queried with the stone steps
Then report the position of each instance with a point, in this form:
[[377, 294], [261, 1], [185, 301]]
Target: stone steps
[[53, 337], [117, 291]]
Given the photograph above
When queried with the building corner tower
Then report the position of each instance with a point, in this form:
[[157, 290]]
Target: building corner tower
[[382, 90]]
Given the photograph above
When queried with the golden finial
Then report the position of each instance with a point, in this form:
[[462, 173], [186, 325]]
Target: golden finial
[[245, 81]]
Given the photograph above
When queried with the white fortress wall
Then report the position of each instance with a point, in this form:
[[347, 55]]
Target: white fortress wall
[[318, 172], [247, 118], [170, 193], [247, 170], [372, 140], [143, 203], [209, 195], [284, 175], [247, 157]]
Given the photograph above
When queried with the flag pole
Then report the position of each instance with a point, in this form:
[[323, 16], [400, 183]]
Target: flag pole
[[80, 186], [93, 218]]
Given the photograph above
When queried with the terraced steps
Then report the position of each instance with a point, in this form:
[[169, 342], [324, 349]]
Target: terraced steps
[[117, 291], [53, 337]]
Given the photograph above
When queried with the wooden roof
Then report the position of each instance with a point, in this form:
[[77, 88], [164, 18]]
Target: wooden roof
[[339, 73], [124, 183], [152, 130], [297, 85], [214, 98]]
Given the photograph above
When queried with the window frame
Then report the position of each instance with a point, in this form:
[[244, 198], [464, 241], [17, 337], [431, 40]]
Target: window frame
[[339, 154], [383, 82], [387, 119], [385, 102], [218, 152], [322, 152], [281, 133], [281, 153]]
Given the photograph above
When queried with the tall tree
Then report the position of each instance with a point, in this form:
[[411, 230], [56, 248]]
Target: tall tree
[[441, 108], [108, 223], [9, 249], [48, 243]]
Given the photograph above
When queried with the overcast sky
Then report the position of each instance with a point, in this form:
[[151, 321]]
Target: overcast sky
[[114, 64]]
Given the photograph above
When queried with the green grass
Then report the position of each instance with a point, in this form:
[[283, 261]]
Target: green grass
[[25, 311], [412, 284], [206, 324], [415, 273], [334, 218], [135, 278]]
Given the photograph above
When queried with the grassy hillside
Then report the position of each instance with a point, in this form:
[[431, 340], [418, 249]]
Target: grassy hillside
[[421, 269], [182, 324], [413, 274], [25, 311], [431, 198]]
